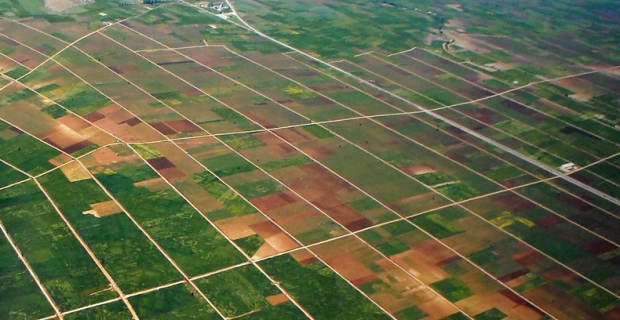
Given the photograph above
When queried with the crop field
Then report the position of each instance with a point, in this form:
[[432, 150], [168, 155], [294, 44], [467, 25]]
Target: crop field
[[276, 159]]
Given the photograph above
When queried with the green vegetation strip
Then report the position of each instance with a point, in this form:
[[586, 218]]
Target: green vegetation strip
[[20, 295], [321, 291], [226, 196], [246, 289], [62, 264], [188, 238], [26, 152], [177, 302], [128, 255]]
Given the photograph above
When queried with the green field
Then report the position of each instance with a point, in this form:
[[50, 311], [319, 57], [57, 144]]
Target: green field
[[323, 293], [47, 243], [177, 302], [244, 290], [132, 260], [175, 225]]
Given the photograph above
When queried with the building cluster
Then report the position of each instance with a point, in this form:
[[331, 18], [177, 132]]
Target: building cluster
[[217, 6]]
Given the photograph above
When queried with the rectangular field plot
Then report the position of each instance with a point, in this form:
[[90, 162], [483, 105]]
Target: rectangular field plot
[[11, 69], [63, 265], [600, 221], [392, 188], [289, 94], [15, 51], [166, 75], [398, 291], [335, 197], [131, 39], [435, 171], [33, 113], [327, 85], [128, 255], [524, 269], [20, 295], [25, 152], [206, 68], [59, 85], [551, 235], [434, 61], [287, 210], [452, 276], [133, 114], [318, 289], [38, 41], [180, 229], [410, 81], [177, 302], [451, 80], [488, 164], [228, 210], [247, 291], [382, 82]]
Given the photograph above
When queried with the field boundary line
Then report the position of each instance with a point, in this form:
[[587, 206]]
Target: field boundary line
[[434, 115], [17, 62], [485, 151], [560, 175], [92, 255], [401, 52], [502, 96], [283, 184], [372, 197], [74, 42], [159, 248], [179, 48], [208, 170], [31, 271], [462, 128], [172, 186]]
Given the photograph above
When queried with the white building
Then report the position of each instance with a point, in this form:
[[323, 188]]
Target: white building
[[568, 167]]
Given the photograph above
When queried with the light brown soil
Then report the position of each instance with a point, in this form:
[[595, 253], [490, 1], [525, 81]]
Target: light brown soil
[[103, 209], [156, 184], [282, 242], [350, 268], [75, 172], [304, 257], [277, 299], [62, 5], [264, 251], [417, 169]]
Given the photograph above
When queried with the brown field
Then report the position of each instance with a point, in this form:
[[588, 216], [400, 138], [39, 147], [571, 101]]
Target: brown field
[[352, 258], [103, 209], [277, 299]]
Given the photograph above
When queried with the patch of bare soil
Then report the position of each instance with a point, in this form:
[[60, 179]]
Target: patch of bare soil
[[62, 5], [75, 172], [103, 209]]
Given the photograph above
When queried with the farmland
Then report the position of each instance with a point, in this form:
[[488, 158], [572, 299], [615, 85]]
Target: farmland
[[272, 159]]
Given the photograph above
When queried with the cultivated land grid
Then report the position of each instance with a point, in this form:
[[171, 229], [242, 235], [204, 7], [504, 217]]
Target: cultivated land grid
[[325, 122]]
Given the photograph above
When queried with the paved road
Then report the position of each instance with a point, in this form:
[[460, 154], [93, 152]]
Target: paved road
[[438, 116]]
